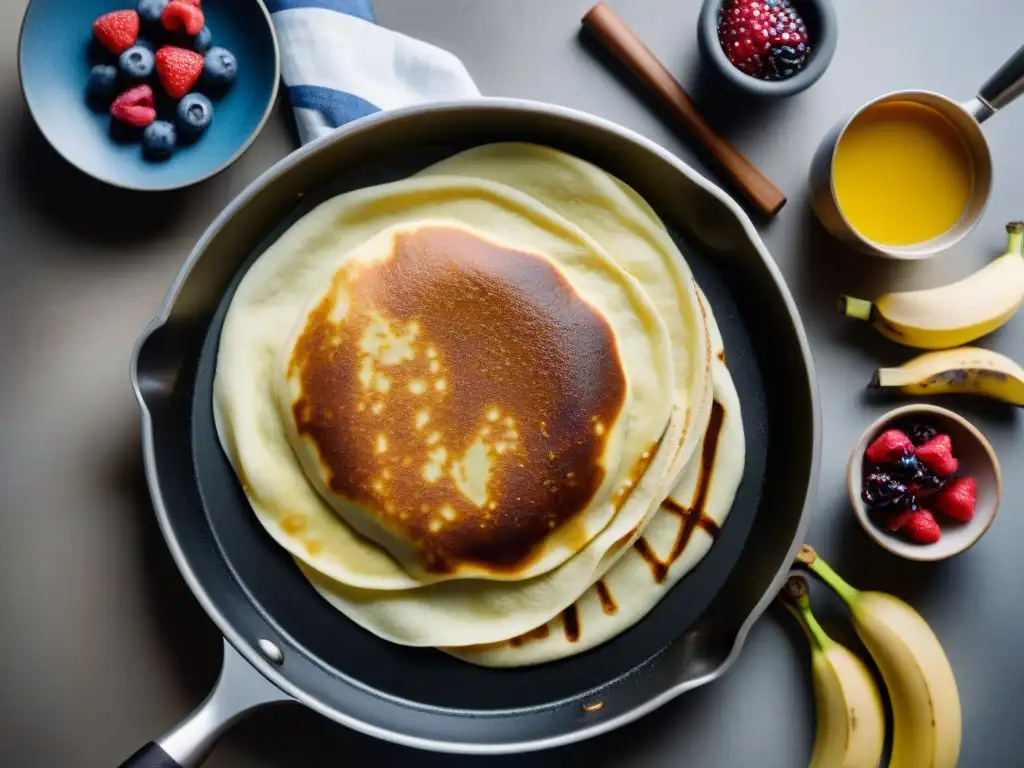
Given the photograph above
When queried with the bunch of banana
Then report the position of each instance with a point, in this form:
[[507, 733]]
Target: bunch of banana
[[967, 370], [922, 689], [940, 318], [851, 724]]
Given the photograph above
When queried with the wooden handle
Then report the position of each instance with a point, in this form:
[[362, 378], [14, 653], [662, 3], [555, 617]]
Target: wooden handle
[[637, 57]]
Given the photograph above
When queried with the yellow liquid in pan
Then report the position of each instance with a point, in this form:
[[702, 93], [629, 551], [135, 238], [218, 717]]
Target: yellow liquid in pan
[[902, 173]]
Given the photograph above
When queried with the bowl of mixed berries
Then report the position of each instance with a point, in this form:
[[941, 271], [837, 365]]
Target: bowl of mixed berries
[[768, 48], [149, 94], [924, 482]]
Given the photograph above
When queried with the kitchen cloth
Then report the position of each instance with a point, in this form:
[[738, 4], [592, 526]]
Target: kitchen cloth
[[338, 65]]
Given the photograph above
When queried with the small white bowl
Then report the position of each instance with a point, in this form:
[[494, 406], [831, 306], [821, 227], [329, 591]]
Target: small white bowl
[[977, 459]]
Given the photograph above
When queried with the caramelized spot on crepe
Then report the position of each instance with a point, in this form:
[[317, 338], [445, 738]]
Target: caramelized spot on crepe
[[710, 526], [693, 517], [313, 546], [707, 523], [539, 633], [294, 524], [482, 364], [629, 483], [571, 623], [608, 604]]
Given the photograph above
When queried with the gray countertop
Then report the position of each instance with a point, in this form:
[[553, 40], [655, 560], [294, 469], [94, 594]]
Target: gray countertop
[[102, 646]]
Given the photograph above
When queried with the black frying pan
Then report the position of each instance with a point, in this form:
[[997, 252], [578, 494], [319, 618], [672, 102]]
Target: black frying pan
[[284, 643]]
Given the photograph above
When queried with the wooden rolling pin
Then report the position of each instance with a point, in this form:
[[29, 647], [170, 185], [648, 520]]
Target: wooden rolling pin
[[612, 31]]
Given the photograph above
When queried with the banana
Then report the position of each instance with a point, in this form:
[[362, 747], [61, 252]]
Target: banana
[[955, 314], [925, 702], [851, 724], [965, 370]]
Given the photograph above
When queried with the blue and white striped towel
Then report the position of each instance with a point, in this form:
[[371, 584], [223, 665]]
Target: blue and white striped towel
[[338, 65]]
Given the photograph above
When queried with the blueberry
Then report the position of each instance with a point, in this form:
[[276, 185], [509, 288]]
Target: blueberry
[[195, 113], [102, 82], [137, 62], [786, 61], [201, 43], [220, 68], [159, 140], [907, 465], [143, 42], [882, 490], [151, 10], [922, 433]]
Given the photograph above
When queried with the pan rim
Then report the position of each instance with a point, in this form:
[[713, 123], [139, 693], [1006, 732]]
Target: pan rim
[[251, 654]]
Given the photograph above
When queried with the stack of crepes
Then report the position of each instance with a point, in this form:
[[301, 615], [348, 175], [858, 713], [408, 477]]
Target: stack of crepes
[[485, 408]]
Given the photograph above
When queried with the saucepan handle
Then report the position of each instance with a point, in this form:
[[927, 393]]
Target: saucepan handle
[[239, 689], [151, 756], [1000, 89]]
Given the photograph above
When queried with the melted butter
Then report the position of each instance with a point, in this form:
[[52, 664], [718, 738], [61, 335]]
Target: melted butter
[[902, 173]]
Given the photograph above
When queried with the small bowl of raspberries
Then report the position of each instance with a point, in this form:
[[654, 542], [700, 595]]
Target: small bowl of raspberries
[[924, 482], [768, 48]]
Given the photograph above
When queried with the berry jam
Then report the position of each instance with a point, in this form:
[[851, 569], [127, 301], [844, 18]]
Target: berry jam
[[765, 39]]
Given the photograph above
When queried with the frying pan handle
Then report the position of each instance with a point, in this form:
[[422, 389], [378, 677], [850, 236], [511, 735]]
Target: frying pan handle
[[239, 689]]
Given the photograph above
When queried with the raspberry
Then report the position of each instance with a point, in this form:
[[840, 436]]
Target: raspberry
[[117, 31], [134, 107], [178, 69], [937, 454], [898, 520], [889, 446], [180, 15], [958, 499], [922, 528]]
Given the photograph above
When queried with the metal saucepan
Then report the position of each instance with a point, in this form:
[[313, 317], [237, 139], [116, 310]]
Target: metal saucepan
[[1000, 89], [283, 643]]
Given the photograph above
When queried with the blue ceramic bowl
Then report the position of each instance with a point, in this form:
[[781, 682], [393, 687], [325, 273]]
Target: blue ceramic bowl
[[56, 53]]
